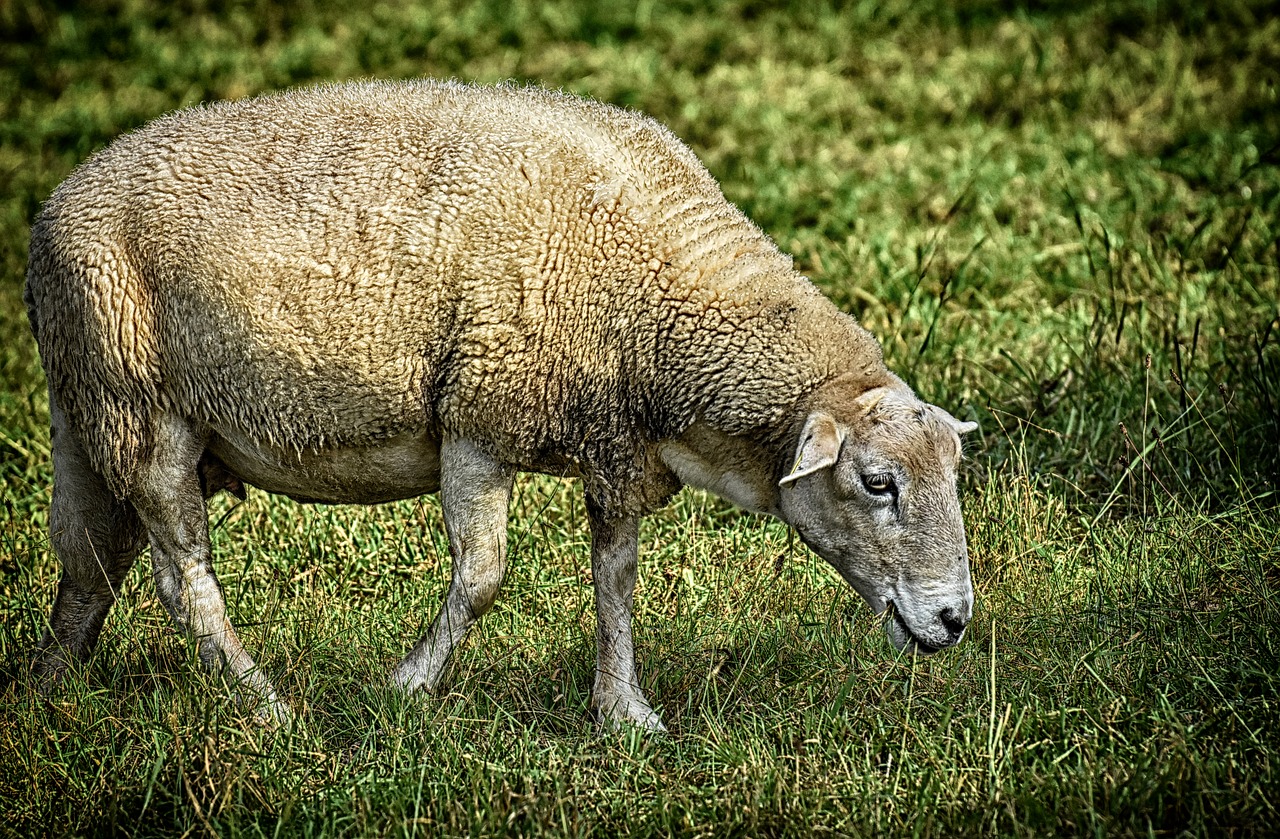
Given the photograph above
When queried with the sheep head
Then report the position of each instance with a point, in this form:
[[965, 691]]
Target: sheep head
[[873, 492]]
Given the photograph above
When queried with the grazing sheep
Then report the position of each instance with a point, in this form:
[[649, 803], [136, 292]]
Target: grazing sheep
[[366, 292]]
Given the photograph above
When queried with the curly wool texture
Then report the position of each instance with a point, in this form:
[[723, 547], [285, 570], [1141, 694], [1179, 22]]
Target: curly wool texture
[[559, 280]]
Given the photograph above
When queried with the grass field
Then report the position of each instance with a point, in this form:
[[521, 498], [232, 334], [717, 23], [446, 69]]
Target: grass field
[[1063, 222]]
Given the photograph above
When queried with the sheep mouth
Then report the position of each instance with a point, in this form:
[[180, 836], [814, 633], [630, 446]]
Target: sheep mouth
[[920, 645]]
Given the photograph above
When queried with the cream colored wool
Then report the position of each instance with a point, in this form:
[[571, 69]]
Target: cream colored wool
[[331, 267], [365, 292]]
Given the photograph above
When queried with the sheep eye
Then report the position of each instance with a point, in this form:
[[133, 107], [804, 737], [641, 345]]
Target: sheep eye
[[880, 484]]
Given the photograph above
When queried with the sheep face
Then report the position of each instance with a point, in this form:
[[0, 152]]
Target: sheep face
[[874, 493]]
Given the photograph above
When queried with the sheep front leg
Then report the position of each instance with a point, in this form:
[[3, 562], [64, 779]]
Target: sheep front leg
[[616, 696], [475, 491]]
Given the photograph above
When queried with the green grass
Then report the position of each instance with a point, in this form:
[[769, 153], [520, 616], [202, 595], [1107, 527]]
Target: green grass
[[1061, 219]]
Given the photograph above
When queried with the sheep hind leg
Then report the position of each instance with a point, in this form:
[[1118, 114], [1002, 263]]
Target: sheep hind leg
[[96, 538], [170, 500], [616, 695], [475, 492]]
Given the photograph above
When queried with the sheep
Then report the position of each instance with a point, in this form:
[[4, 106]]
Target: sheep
[[371, 291]]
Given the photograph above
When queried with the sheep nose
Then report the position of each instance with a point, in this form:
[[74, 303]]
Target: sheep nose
[[953, 622]]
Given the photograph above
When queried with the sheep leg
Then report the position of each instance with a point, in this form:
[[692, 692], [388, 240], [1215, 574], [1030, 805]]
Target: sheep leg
[[616, 696], [475, 492], [96, 538], [171, 504]]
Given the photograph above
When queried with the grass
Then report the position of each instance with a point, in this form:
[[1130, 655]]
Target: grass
[[1062, 220]]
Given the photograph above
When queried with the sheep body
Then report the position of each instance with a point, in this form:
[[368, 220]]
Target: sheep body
[[364, 292], [329, 268]]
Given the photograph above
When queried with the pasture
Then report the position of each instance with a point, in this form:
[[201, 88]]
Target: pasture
[[1062, 220]]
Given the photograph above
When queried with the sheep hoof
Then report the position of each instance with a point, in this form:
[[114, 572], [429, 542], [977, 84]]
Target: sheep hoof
[[275, 714], [268, 711], [626, 713], [48, 670]]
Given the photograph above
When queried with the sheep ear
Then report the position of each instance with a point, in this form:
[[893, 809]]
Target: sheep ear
[[959, 427], [870, 400], [819, 447]]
